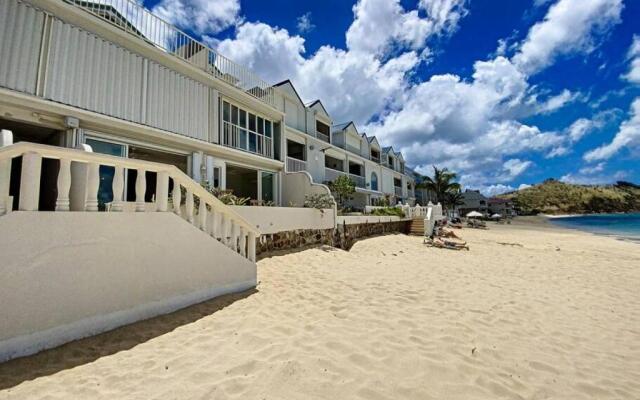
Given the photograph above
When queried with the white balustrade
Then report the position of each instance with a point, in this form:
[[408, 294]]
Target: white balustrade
[[213, 217], [295, 165]]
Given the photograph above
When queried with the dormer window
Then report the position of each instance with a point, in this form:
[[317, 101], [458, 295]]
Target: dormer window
[[375, 155]]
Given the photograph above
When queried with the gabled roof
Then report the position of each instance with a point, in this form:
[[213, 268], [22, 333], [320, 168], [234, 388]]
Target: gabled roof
[[343, 126], [288, 83], [372, 139], [318, 102], [388, 149]]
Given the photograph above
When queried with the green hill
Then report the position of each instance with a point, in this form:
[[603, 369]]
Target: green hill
[[555, 197]]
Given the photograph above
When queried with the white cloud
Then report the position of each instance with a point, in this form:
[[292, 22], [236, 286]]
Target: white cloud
[[381, 24], [628, 136], [633, 75], [523, 186], [593, 169], [200, 16], [570, 26], [556, 102], [513, 168], [494, 190], [593, 178], [583, 126], [304, 24]]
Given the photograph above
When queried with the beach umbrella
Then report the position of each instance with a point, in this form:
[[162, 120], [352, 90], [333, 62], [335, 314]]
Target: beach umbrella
[[474, 214], [496, 216]]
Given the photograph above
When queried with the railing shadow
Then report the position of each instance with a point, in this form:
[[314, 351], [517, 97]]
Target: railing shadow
[[87, 350]]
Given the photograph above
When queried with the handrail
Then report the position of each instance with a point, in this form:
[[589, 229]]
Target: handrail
[[53, 152], [137, 20]]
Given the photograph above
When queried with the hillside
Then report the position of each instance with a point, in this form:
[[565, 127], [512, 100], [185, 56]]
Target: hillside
[[555, 197]]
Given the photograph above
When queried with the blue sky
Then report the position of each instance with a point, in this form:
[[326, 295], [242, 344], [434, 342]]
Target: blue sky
[[506, 93]]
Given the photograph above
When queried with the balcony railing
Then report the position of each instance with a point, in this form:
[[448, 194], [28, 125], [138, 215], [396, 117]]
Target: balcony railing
[[295, 165], [398, 191], [353, 149], [411, 194], [331, 175], [322, 136], [375, 159], [233, 137], [133, 18], [359, 180]]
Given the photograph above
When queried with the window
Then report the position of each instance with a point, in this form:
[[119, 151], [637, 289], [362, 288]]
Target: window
[[322, 128], [374, 181], [216, 177], [246, 131], [268, 181]]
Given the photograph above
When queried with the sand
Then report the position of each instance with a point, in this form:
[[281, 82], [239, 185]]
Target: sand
[[530, 312]]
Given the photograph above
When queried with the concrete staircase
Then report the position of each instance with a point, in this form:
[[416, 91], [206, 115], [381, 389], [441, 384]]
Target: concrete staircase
[[416, 226]]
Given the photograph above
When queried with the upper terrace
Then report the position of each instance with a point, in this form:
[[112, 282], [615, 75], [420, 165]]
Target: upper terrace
[[142, 23]]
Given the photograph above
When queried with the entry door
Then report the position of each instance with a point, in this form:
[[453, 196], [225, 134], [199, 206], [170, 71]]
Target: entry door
[[105, 191]]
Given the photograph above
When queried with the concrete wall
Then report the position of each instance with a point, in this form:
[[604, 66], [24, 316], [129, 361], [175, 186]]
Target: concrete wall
[[365, 219], [280, 219], [71, 275], [297, 185]]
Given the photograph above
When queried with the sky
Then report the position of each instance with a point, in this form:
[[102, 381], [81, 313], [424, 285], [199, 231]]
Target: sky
[[506, 93]]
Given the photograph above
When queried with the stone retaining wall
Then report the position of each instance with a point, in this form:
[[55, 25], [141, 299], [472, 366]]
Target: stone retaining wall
[[344, 236]]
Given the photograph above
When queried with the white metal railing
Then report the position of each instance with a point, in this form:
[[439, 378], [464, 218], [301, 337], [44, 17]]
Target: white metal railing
[[211, 215], [133, 18], [412, 212], [398, 191], [231, 137], [295, 165], [331, 175], [323, 137], [359, 180]]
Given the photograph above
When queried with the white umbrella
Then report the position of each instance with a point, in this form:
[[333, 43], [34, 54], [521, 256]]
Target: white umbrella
[[496, 216], [474, 214]]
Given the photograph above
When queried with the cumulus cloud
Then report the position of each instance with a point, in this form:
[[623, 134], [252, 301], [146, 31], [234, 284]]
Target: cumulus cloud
[[379, 25], [633, 75], [628, 136], [200, 16], [570, 26]]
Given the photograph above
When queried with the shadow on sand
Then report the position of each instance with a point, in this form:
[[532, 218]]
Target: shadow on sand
[[87, 350]]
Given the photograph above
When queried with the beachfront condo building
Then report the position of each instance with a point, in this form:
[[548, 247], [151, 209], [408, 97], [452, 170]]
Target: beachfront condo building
[[128, 84], [106, 107], [316, 144]]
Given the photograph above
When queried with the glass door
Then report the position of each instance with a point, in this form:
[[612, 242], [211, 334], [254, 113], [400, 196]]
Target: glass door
[[268, 187], [105, 191]]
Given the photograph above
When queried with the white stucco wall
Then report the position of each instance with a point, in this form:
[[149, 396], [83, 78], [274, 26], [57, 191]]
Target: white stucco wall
[[71, 275], [296, 186], [280, 219]]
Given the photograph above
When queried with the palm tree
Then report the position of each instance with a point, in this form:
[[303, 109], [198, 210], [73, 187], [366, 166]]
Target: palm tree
[[454, 199], [442, 184]]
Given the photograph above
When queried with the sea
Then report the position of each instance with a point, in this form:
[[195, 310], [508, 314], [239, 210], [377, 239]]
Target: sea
[[625, 226]]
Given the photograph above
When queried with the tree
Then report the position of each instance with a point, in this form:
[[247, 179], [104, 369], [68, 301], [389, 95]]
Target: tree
[[442, 184], [343, 187], [454, 199]]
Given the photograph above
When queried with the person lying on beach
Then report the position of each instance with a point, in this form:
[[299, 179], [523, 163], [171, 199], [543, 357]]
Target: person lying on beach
[[445, 233], [447, 244]]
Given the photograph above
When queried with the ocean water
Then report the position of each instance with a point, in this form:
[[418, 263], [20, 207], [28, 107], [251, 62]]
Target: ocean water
[[621, 225]]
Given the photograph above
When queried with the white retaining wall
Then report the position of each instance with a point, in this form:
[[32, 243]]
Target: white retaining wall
[[270, 220], [69, 275]]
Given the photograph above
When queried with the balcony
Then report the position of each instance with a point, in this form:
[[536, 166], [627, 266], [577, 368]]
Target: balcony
[[323, 137], [353, 149], [136, 20], [241, 139], [375, 159], [295, 165], [398, 191], [359, 180], [331, 175]]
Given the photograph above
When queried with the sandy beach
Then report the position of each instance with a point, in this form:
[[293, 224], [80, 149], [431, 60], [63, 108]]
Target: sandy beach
[[531, 312]]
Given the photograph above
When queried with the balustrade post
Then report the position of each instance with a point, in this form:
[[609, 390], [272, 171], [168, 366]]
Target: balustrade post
[[251, 247], [243, 242], [162, 191], [30, 182], [64, 185], [176, 197], [118, 189], [189, 205], [141, 188], [233, 245], [223, 228], [202, 215], [93, 184], [211, 223]]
